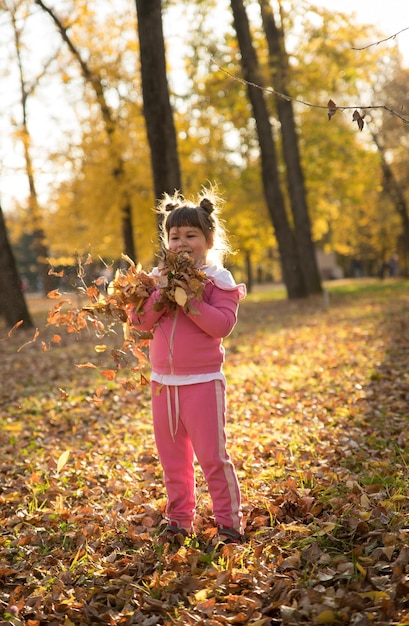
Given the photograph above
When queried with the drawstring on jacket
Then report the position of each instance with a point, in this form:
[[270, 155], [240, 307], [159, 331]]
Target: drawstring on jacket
[[173, 430]]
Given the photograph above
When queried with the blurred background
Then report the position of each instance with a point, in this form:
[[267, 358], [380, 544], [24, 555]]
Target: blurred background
[[105, 106]]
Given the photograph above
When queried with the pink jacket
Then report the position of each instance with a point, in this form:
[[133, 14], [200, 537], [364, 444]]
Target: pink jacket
[[186, 343]]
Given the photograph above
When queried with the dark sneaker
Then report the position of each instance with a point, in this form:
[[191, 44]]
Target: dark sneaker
[[173, 534], [228, 535]]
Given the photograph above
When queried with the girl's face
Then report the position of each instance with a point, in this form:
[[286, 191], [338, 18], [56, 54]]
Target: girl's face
[[191, 240]]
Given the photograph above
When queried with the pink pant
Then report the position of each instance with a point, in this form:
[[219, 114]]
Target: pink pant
[[190, 421]]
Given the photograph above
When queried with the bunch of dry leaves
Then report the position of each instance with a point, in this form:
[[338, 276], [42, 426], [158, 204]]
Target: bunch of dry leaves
[[180, 283], [178, 280]]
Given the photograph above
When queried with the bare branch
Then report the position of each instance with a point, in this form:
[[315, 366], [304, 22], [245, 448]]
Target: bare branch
[[91, 77], [333, 109], [376, 43], [31, 88]]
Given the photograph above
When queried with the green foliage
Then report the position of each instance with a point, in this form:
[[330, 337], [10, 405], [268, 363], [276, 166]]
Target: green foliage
[[89, 205], [342, 168], [216, 134]]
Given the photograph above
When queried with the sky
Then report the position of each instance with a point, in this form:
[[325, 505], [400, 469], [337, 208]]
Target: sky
[[391, 16]]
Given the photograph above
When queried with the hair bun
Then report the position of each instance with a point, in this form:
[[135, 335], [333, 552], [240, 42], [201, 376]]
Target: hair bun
[[207, 205], [170, 206]]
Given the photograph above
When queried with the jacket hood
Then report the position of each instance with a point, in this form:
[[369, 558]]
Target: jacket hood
[[223, 279]]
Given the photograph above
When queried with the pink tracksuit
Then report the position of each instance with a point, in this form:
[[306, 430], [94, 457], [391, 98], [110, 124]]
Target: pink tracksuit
[[188, 397]]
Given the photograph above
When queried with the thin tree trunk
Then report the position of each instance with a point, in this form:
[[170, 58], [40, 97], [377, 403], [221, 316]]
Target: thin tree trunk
[[278, 61], [39, 244], [12, 302], [156, 103], [35, 216], [118, 168], [249, 271], [290, 263]]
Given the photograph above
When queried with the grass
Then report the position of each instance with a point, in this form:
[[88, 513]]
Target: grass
[[271, 293]]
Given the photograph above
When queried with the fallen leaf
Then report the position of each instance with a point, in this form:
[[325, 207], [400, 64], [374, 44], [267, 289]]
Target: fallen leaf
[[62, 460], [109, 374]]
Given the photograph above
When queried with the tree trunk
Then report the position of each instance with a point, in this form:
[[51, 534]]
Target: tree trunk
[[118, 169], [12, 302], [290, 263], [128, 238], [156, 103], [392, 188], [249, 271], [278, 61]]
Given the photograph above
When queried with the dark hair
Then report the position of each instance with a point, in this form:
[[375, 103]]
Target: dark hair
[[191, 215], [177, 211]]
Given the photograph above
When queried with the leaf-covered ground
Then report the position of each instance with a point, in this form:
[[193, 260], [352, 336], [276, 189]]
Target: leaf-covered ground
[[318, 430]]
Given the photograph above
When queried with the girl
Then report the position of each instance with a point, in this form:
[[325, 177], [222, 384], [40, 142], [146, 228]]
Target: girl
[[188, 385]]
